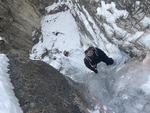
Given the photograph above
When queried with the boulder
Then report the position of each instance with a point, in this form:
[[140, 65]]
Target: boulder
[[42, 89]]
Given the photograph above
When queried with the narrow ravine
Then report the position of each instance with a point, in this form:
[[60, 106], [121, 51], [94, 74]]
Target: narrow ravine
[[103, 25]]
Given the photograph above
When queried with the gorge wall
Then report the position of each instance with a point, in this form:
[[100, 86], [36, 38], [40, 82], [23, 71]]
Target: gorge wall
[[132, 24], [38, 86]]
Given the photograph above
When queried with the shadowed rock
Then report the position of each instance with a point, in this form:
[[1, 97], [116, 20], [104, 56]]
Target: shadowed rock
[[38, 86], [42, 89]]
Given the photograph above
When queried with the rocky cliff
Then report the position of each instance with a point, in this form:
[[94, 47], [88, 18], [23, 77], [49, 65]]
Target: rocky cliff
[[133, 23], [38, 86], [17, 21]]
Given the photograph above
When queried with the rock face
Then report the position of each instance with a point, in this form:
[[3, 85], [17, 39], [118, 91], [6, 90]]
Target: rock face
[[138, 10], [24, 15], [38, 86], [17, 21], [42, 89], [41, 4]]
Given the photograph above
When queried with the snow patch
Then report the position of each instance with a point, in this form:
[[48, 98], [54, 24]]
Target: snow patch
[[145, 21], [146, 87], [145, 40], [60, 33], [1, 38], [110, 12]]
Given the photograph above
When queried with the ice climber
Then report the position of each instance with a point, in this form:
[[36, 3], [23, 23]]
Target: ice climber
[[93, 56]]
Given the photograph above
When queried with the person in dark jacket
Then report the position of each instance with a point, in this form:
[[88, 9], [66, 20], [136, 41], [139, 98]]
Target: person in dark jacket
[[93, 56]]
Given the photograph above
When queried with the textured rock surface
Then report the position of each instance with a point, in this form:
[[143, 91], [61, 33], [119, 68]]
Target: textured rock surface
[[38, 86], [41, 4], [42, 89], [132, 24], [24, 15], [17, 21]]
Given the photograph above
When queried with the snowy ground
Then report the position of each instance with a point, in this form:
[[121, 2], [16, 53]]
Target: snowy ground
[[114, 85], [8, 101], [121, 88]]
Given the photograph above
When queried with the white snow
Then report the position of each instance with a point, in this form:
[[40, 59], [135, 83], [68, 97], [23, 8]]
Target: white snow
[[135, 36], [8, 101], [145, 21], [110, 12], [146, 86], [1, 38], [52, 7], [60, 32], [145, 40]]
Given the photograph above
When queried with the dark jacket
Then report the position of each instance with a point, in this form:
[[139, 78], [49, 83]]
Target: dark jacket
[[97, 57]]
